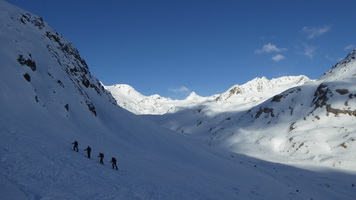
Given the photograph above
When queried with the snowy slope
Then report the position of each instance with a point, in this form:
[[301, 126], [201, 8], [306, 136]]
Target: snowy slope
[[345, 69], [311, 124], [48, 99]]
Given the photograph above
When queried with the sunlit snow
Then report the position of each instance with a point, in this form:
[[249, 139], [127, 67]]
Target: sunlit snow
[[49, 98]]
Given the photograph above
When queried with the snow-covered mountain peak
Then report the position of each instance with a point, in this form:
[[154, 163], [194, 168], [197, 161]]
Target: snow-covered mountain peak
[[351, 56], [132, 100], [41, 55], [193, 97], [292, 119], [124, 90], [124, 87], [345, 69], [263, 86], [254, 91], [48, 99]]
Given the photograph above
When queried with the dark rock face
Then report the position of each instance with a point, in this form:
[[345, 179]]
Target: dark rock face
[[92, 108], [51, 46], [30, 19], [342, 91], [336, 111], [278, 98], [27, 77], [321, 96], [264, 110], [27, 62]]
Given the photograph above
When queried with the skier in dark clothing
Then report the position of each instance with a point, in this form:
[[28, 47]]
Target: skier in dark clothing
[[113, 161], [75, 146], [101, 156], [88, 150]]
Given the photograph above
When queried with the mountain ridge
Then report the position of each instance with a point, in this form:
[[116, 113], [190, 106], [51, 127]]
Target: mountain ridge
[[290, 107], [49, 98], [311, 123], [256, 90]]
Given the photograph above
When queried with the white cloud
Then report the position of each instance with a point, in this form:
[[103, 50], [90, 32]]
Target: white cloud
[[268, 48], [306, 50], [278, 57], [182, 89], [309, 51], [349, 47], [314, 32]]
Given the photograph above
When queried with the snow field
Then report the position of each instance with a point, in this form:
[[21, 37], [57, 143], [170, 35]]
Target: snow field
[[36, 131]]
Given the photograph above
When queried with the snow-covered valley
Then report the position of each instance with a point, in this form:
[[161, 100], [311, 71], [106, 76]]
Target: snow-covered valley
[[49, 98], [290, 120]]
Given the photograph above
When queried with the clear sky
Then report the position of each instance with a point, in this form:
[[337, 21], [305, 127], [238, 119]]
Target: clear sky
[[173, 47]]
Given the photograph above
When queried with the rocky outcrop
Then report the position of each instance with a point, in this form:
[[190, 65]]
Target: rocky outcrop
[[47, 52]]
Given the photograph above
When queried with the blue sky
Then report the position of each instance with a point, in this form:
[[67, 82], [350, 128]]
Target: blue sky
[[173, 47]]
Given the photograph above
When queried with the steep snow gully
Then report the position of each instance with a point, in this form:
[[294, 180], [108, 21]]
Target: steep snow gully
[[48, 99]]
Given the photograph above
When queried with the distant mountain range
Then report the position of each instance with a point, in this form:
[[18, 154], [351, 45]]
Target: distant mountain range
[[49, 99], [252, 92], [288, 119]]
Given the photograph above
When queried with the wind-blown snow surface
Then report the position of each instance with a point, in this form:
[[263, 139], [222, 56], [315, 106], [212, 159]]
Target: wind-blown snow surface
[[48, 99]]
